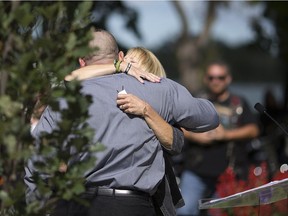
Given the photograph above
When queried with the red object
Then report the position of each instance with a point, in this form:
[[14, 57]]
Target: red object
[[228, 185]]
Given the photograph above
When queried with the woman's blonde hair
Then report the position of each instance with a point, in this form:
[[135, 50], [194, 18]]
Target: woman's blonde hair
[[147, 61]]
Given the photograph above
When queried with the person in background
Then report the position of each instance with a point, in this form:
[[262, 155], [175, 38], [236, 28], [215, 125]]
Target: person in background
[[131, 167], [207, 155]]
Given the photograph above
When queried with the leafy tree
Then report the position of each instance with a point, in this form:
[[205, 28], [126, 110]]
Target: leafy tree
[[40, 43], [190, 52]]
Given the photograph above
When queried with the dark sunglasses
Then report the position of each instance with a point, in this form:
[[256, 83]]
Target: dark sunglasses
[[221, 78]]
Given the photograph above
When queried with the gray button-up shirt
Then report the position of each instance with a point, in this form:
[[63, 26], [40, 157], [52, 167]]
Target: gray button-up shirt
[[133, 158]]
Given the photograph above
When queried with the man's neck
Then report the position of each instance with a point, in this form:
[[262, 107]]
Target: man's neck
[[101, 61]]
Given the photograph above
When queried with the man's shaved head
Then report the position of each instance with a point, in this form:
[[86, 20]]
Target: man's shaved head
[[106, 47]]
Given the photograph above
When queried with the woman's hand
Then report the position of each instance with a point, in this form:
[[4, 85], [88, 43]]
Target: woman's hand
[[131, 104], [139, 74]]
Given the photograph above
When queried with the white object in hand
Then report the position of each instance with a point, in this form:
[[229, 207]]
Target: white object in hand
[[122, 92]]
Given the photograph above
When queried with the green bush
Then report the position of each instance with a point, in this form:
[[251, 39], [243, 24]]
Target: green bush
[[40, 43]]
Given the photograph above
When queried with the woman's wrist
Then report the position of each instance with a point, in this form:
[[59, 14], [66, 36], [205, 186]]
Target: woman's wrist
[[147, 112], [144, 112]]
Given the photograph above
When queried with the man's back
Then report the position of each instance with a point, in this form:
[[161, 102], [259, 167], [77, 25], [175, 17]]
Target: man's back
[[132, 150]]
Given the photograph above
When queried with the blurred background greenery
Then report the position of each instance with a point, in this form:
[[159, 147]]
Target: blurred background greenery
[[249, 35]]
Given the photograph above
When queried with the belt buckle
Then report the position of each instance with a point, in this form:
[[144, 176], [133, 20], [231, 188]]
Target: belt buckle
[[122, 192]]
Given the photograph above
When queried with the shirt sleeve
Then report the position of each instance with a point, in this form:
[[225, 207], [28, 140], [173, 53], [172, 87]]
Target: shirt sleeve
[[193, 114], [178, 141], [47, 123], [31, 193]]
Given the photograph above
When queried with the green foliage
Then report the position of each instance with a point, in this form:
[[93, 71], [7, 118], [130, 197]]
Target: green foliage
[[40, 43]]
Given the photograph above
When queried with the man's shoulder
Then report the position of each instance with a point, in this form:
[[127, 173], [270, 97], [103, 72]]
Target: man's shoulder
[[127, 80], [97, 79], [170, 80], [171, 83]]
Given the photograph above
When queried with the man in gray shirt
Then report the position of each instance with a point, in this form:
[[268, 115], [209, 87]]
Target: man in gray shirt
[[131, 167]]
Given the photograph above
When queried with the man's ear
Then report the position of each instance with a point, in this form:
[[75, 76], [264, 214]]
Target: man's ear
[[121, 55], [82, 62]]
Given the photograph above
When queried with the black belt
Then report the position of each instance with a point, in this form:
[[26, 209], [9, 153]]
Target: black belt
[[101, 191]]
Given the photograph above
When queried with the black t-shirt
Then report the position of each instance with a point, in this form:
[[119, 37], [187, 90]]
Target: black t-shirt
[[212, 160]]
